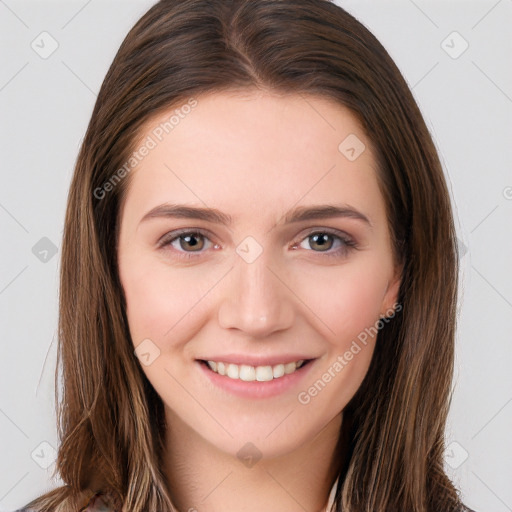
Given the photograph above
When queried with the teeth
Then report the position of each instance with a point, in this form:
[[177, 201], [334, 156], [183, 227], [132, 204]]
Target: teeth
[[264, 373], [252, 373], [232, 372], [289, 367], [247, 373], [278, 371]]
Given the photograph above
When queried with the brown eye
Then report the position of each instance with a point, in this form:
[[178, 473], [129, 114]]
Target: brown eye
[[193, 241], [186, 244], [323, 241], [328, 244]]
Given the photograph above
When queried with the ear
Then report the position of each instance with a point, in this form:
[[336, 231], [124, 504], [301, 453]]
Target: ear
[[390, 300]]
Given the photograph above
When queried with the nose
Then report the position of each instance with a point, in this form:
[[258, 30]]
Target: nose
[[256, 299]]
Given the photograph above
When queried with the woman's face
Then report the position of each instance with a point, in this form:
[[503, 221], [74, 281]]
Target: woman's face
[[257, 273]]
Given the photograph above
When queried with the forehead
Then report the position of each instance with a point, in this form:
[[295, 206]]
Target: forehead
[[251, 152]]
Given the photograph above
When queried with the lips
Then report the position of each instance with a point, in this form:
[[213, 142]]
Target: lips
[[259, 384]]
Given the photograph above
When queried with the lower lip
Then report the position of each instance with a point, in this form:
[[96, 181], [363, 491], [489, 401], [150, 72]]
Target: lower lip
[[255, 388]]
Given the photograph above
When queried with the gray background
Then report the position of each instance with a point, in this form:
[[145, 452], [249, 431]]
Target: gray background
[[45, 105]]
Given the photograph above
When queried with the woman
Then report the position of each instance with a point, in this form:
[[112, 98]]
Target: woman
[[240, 153]]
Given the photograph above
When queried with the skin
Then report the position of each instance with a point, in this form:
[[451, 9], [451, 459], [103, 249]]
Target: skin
[[255, 155]]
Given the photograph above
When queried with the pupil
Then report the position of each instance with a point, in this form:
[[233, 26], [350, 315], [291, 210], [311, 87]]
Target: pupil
[[322, 240], [190, 241]]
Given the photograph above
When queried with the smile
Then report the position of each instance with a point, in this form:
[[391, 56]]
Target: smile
[[254, 373]]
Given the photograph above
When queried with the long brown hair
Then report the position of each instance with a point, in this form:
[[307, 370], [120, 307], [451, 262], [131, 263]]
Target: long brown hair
[[111, 421]]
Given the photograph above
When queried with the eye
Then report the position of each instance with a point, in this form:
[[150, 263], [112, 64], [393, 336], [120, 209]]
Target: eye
[[185, 243], [322, 241], [191, 244]]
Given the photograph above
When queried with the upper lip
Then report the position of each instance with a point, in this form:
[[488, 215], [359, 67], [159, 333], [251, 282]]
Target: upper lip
[[255, 360]]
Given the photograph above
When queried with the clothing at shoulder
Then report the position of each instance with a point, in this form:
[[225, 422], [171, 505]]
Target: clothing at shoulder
[[99, 502], [102, 503]]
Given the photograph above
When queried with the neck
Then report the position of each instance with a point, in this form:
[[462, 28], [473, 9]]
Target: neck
[[203, 478]]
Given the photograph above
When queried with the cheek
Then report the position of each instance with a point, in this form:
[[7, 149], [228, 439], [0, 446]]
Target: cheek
[[345, 300], [160, 300], [349, 308]]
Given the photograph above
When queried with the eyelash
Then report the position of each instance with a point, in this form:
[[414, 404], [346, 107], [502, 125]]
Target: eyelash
[[349, 243]]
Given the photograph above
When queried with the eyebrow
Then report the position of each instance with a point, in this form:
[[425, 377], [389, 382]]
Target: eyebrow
[[299, 214]]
